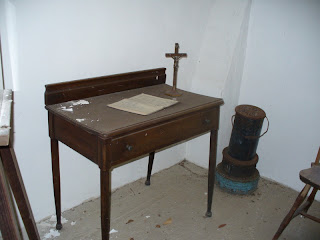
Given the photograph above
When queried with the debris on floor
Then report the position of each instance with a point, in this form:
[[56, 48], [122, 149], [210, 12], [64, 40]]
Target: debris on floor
[[169, 221], [54, 219], [222, 225], [52, 234], [129, 221], [113, 231], [176, 197]]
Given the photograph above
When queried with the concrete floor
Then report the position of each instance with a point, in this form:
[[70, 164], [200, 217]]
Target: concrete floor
[[177, 196]]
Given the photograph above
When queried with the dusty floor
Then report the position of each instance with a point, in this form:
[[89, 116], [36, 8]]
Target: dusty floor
[[177, 196]]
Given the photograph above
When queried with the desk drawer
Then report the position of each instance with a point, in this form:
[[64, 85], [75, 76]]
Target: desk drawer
[[139, 143]]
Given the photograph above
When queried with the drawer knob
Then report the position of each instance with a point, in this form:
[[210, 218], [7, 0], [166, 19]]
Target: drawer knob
[[129, 147], [207, 121]]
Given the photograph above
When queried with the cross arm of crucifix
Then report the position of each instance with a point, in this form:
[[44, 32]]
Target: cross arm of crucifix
[[176, 55]]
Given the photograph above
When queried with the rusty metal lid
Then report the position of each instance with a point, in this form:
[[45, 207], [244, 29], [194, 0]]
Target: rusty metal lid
[[250, 111]]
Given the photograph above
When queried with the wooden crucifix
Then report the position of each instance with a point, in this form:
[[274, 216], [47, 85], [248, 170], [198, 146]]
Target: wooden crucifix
[[176, 57]]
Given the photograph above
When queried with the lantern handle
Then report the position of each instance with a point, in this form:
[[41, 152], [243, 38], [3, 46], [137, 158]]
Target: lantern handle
[[251, 137]]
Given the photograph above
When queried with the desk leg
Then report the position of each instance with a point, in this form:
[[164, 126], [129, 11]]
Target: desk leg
[[105, 187], [212, 168], [151, 158], [12, 170], [56, 180]]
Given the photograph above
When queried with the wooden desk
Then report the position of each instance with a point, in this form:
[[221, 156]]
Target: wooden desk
[[109, 137]]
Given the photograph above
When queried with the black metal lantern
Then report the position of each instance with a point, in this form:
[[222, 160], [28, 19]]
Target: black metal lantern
[[237, 172]]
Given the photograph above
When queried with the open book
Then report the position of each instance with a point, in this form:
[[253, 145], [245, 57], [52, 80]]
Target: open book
[[143, 104]]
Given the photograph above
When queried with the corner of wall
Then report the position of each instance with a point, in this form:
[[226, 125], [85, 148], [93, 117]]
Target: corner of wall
[[219, 70], [8, 36], [232, 87]]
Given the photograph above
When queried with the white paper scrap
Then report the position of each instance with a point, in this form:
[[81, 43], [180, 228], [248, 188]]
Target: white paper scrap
[[113, 231], [63, 220], [54, 219], [80, 102], [52, 234], [64, 108]]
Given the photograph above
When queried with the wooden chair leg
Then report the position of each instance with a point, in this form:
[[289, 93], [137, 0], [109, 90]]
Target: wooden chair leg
[[303, 209], [8, 221], [310, 199], [301, 197], [151, 158], [12, 169]]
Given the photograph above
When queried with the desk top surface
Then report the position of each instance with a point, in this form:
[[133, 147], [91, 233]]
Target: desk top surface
[[94, 115]]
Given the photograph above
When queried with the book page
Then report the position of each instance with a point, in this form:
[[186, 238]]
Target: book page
[[143, 104]]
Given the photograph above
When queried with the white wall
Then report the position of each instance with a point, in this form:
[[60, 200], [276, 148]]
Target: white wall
[[8, 45], [57, 41], [1, 71], [219, 70], [282, 76], [66, 40]]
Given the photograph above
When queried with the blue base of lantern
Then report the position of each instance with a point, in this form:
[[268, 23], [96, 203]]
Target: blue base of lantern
[[234, 185]]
